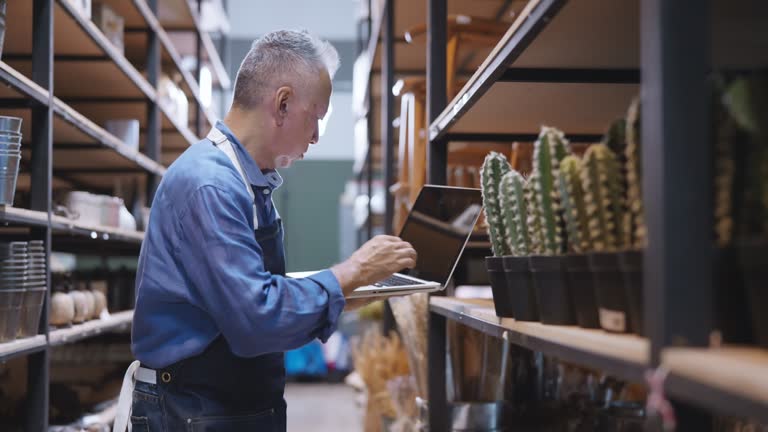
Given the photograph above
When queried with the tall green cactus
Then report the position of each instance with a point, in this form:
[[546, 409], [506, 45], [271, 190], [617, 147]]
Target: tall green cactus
[[534, 219], [574, 205], [549, 150], [494, 168], [634, 220], [514, 213], [741, 197], [615, 138], [601, 179]]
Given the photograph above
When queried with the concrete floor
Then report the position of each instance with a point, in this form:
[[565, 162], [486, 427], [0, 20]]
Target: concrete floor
[[321, 407]]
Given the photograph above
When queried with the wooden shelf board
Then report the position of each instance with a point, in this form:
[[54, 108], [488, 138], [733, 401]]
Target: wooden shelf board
[[22, 216], [625, 356], [116, 321], [722, 378], [525, 107], [18, 347], [62, 225]]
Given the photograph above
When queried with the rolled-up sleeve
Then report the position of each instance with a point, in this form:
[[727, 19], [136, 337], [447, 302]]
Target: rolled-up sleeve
[[256, 311]]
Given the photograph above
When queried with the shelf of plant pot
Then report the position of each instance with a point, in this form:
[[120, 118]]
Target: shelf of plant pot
[[114, 322], [20, 347], [601, 60], [62, 225], [731, 379], [622, 355], [138, 16], [182, 22]]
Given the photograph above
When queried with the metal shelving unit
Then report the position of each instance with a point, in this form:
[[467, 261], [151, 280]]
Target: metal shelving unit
[[64, 78], [576, 64]]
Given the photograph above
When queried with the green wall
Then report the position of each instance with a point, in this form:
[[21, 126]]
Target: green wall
[[308, 203]]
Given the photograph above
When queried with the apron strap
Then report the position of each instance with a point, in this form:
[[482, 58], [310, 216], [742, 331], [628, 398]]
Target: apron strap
[[221, 142], [124, 402]]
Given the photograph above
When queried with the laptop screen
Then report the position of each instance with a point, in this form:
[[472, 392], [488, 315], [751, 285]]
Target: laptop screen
[[438, 227]]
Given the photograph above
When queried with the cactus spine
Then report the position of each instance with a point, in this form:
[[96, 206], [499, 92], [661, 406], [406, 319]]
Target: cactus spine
[[634, 220], [549, 150], [494, 168], [574, 204], [601, 179], [515, 213]]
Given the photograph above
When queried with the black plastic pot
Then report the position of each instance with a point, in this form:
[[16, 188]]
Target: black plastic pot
[[581, 282], [613, 309], [521, 289], [731, 309], [631, 265], [753, 261], [554, 300], [501, 298]]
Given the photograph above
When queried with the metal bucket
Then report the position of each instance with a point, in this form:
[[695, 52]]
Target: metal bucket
[[9, 170], [8, 124]]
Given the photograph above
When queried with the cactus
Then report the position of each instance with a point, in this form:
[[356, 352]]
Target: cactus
[[634, 224], [534, 220], [601, 180], [574, 206], [515, 213], [494, 168], [615, 138], [741, 164], [549, 150]]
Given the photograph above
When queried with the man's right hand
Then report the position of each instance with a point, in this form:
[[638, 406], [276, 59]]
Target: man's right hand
[[377, 259]]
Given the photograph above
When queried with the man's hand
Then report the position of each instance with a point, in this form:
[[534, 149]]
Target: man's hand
[[377, 259]]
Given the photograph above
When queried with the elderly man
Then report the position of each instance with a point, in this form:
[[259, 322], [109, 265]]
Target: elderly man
[[214, 311]]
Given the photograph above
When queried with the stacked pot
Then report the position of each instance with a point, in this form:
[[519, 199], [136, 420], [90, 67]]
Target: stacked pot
[[22, 288], [10, 156]]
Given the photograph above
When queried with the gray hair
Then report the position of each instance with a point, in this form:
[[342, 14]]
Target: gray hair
[[278, 53]]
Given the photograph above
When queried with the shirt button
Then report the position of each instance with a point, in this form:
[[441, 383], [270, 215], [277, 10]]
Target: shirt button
[[265, 191]]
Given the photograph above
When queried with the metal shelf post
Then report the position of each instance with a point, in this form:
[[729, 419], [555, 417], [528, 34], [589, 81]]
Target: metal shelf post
[[437, 36]]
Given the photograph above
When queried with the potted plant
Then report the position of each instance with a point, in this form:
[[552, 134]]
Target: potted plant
[[603, 190], [741, 209], [580, 278], [545, 227], [631, 260], [495, 166], [514, 209]]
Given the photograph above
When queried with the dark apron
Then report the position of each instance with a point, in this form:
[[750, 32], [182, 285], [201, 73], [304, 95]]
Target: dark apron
[[217, 390]]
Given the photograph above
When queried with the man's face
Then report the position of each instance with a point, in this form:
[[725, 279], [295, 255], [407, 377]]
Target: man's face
[[301, 117]]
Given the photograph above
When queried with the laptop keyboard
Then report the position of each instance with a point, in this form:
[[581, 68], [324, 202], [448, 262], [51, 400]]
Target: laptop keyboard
[[394, 281]]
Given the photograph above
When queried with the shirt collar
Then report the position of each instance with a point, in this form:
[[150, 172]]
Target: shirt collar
[[256, 176]]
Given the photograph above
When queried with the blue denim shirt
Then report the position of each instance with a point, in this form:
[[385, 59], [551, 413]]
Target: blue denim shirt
[[201, 272]]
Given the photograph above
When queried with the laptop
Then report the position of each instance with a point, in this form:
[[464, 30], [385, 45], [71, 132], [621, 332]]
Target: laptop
[[438, 227]]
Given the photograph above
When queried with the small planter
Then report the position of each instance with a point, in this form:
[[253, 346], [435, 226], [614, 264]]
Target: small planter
[[501, 298], [732, 313], [631, 264], [522, 292], [552, 290], [613, 309], [581, 282], [753, 261]]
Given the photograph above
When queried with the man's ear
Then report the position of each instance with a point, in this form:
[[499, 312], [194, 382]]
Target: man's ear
[[283, 97]]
